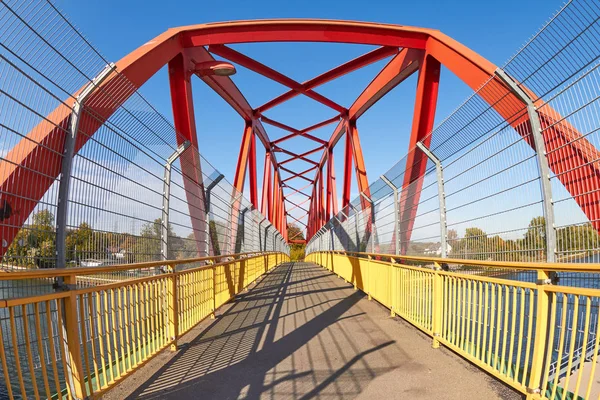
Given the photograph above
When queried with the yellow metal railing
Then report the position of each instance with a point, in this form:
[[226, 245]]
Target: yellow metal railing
[[540, 338], [79, 342]]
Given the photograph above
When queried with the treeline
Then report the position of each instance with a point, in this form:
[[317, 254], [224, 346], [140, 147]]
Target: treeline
[[576, 241], [35, 244]]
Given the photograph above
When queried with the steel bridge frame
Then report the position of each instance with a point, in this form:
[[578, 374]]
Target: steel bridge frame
[[183, 49]]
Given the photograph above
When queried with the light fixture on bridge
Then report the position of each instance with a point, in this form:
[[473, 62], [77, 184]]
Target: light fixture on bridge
[[218, 68]]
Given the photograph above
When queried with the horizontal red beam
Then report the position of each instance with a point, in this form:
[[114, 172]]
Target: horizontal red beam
[[299, 156], [251, 64], [226, 88], [296, 219], [321, 124], [350, 66], [298, 191], [298, 205]]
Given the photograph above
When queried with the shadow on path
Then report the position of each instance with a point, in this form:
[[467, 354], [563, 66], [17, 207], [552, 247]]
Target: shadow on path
[[302, 333], [287, 337]]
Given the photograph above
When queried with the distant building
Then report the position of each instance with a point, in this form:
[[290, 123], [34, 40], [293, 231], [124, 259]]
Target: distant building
[[437, 251]]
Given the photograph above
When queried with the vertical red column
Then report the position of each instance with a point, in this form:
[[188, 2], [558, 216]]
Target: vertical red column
[[347, 169], [359, 163], [334, 199], [252, 170], [191, 168], [322, 200], [240, 171], [265, 205], [275, 203], [328, 201], [416, 161]]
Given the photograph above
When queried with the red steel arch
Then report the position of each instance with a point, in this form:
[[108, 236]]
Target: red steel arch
[[412, 50]]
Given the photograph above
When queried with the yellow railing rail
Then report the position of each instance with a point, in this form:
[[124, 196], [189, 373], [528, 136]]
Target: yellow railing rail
[[79, 342], [541, 338]]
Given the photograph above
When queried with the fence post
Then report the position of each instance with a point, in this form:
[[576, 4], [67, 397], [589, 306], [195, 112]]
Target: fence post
[[542, 160], [438, 303], [174, 309], [207, 192], [67, 166], [372, 216], [164, 232], [441, 197], [544, 298], [70, 325], [396, 214]]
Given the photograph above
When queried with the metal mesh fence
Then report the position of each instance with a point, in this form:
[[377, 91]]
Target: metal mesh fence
[[493, 189], [114, 209]]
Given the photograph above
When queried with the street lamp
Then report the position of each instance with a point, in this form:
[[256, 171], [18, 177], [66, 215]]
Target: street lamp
[[218, 68]]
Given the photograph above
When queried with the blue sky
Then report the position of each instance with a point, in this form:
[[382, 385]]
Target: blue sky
[[495, 30]]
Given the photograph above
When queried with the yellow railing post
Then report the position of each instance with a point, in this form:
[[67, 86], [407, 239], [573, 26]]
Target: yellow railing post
[[71, 326], [392, 286], [369, 278], [174, 308], [541, 334], [214, 284], [438, 304]]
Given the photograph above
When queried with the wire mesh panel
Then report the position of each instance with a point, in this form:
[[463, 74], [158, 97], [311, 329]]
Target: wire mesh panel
[[516, 180], [71, 124], [494, 193]]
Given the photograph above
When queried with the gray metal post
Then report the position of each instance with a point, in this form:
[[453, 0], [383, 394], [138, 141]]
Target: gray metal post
[[67, 166], [540, 150], [396, 214], [439, 171], [356, 237], [372, 220], [164, 232], [207, 191], [244, 211], [230, 222]]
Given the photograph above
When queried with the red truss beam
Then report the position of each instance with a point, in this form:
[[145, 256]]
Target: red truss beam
[[321, 124], [297, 175], [247, 62], [299, 156], [266, 189], [299, 191], [359, 163], [350, 66], [24, 179], [245, 149], [191, 166], [403, 65], [252, 171], [296, 132], [295, 236], [416, 161], [296, 219], [299, 205]]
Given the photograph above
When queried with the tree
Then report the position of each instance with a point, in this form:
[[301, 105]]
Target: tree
[[296, 249], [34, 244]]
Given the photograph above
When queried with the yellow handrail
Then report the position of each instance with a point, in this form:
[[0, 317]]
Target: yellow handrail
[[537, 266], [100, 334], [9, 275], [531, 335]]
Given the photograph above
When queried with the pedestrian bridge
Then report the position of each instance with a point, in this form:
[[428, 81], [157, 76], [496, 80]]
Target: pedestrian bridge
[[131, 267]]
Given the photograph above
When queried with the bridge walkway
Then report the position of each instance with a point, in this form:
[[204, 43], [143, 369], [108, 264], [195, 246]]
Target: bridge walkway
[[301, 333]]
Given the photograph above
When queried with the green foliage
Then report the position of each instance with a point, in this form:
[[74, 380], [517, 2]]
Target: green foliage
[[34, 244], [577, 241], [297, 250]]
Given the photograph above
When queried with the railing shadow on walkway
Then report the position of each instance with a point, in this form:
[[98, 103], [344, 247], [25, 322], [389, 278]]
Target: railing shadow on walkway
[[260, 345]]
